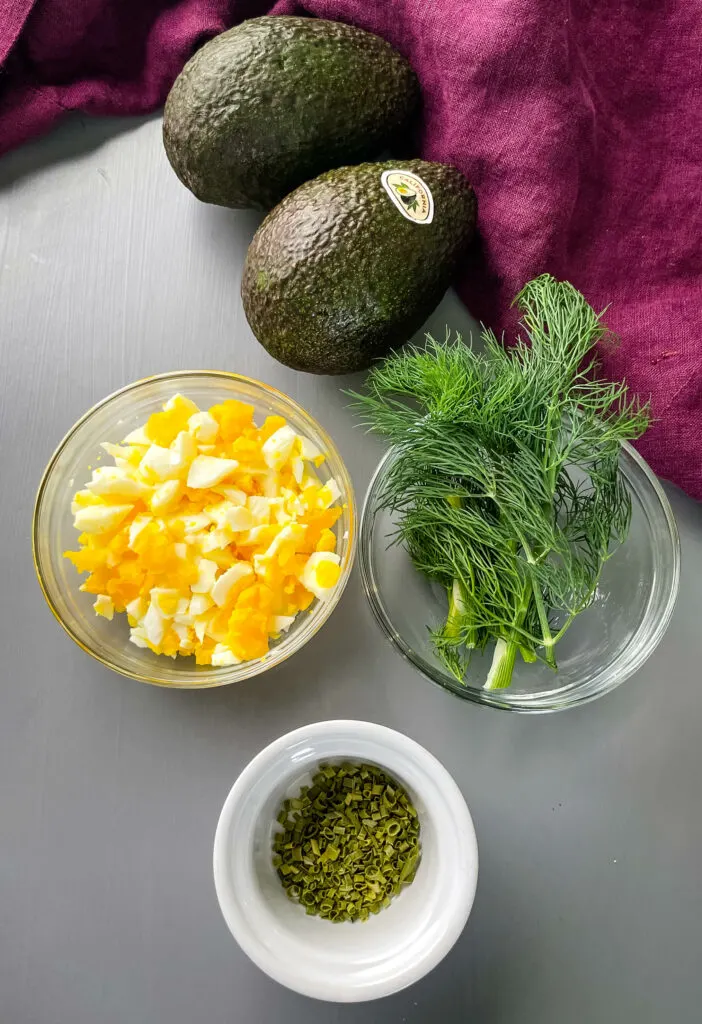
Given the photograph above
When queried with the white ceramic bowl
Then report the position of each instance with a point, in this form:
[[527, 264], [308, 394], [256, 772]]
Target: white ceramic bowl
[[345, 962]]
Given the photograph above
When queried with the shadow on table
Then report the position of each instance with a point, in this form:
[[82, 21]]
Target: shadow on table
[[74, 137], [227, 232], [312, 685], [471, 984]]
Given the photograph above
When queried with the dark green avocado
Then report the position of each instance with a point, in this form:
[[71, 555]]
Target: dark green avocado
[[276, 101], [347, 268]]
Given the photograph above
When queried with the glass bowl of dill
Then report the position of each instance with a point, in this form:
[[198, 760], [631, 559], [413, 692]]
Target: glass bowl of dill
[[515, 547], [606, 643]]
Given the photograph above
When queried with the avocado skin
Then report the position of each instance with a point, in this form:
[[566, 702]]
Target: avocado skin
[[336, 277], [275, 101]]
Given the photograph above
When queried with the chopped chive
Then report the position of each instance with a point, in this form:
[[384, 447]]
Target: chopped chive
[[345, 864]]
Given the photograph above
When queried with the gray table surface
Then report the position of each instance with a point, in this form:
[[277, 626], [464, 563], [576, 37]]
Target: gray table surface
[[589, 822]]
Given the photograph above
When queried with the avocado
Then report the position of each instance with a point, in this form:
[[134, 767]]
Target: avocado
[[349, 265], [276, 101]]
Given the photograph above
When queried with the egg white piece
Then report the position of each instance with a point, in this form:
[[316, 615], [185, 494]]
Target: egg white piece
[[137, 607], [159, 462], [180, 401], [138, 436], [238, 518], [117, 482], [166, 495], [98, 519], [222, 587], [215, 540], [154, 625], [195, 523], [260, 509], [204, 427], [137, 636], [199, 604], [222, 657], [329, 493], [232, 494], [208, 470], [277, 449], [282, 623], [103, 606], [308, 449], [308, 576], [137, 524], [165, 598], [206, 576]]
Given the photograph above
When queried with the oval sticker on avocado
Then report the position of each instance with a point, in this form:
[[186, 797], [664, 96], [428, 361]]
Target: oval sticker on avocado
[[410, 195]]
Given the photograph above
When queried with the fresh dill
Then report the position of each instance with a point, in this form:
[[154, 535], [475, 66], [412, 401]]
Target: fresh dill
[[505, 480]]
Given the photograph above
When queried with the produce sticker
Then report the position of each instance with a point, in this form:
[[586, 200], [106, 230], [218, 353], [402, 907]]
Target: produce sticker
[[410, 195]]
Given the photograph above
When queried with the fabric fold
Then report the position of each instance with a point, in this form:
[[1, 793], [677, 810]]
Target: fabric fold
[[578, 124]]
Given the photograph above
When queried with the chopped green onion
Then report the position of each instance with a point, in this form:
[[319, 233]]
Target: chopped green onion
[[345, 864]]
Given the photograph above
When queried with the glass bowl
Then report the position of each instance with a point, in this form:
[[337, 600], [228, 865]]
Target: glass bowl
[[53, 531], [606, 643]]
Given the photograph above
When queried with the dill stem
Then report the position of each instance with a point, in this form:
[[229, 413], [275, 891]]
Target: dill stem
[[584, 604], [500, 674], [457, 613], [548, 640], [546, 635], [458, 604]]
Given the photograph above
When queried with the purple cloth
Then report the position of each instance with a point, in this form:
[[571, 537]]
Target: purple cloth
[[578, 123]]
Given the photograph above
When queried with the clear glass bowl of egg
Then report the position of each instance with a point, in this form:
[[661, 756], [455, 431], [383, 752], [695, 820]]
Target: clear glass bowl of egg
[[83, 451]]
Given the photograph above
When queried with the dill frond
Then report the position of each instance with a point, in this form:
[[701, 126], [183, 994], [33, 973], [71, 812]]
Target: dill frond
[[506, 484]]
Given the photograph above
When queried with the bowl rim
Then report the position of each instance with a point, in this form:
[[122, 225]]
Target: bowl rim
[[211, 677], [523, 705], [455, 913]]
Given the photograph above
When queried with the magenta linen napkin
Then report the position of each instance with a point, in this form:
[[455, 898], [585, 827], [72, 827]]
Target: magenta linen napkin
[[578, 123]]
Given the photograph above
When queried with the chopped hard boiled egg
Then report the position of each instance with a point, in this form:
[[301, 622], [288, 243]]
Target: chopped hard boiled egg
[[278, 448], [166, 495], [205, 581], [211, 533], [223, 655], [222, 588], [103, 606], [321, 573], [203, 427], [208, 470], [97, 519], [117, 482]]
